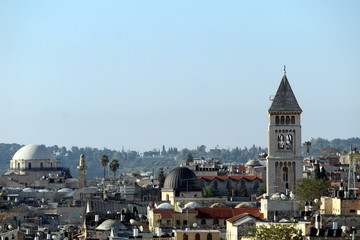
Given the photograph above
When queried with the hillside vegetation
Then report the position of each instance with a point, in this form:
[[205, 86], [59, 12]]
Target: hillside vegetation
[[167, 158]]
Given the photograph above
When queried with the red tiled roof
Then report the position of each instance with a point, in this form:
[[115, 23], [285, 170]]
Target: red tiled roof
[[241, 169], [226, 212], [223, 178]]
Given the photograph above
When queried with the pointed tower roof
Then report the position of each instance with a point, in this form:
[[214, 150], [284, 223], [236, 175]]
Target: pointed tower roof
[[284, 100]]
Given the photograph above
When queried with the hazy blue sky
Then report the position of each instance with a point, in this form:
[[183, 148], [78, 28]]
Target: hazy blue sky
[[141, 74]]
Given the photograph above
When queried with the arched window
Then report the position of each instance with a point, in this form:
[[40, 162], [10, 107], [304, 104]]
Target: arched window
[[18, 165], [281, 141], [29, 165], [51, 165], [228, 184], [287, 120], [185, 236], [277, 120], [215, 184], [209, 236], [197, 236], [256, 186], [285, 174], [292, 119], [203, 221], [216, 221], [282, 120], [41, 165], [167, 197]]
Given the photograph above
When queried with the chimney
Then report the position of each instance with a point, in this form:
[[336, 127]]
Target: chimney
[[275, 216]]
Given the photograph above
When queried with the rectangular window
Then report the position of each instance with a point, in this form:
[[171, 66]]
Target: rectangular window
[[352, 211], [184, 222]]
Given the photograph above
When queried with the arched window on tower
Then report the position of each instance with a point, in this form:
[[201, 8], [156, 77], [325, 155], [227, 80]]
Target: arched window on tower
[[282, 119], [197, 236], [277, 120], [18, 165], [292, 119], [285, 174], [209, 236], [287, 120], [281, 141], [41, 165], [29, 165]]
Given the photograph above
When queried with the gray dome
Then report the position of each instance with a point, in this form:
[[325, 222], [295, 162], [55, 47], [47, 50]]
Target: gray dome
[[253, 163], [34, 152], [165, 206], [182, 179], [192, 205]]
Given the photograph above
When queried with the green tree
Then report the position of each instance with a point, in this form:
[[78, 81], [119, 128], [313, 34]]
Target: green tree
[[273, 232], [307, 144], [209, 192], [309, 189], [114, 166], [189, 159], [161, 178], [261, 189], [104, 160]]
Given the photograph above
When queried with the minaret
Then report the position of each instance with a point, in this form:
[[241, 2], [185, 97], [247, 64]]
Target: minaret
[[284, 162], [82, 172]]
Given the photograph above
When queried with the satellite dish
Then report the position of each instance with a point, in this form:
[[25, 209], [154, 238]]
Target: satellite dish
[[195, 225], [141, 228]]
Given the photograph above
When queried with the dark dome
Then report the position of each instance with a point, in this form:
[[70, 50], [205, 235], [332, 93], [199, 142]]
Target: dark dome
[[182, 179]]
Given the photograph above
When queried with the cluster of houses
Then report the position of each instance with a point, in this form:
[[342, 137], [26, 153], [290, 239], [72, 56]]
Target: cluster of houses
[[203, 200]]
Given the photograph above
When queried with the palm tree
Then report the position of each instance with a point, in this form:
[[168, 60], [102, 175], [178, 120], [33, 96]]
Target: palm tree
[[104, 161], [307, 145], [114, 165]]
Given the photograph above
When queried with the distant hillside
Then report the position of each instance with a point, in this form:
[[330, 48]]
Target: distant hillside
[[151, 161]]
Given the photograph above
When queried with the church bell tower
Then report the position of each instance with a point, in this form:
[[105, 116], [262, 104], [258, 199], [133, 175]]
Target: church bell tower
[[284, 161]]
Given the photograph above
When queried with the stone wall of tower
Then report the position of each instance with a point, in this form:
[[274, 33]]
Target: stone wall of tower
[[82, 172], [284, 163], [275, 129]]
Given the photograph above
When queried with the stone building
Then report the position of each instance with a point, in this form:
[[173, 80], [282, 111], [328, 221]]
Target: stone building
[[284, 160], [35, 165], [234, 186], [181, 182]]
